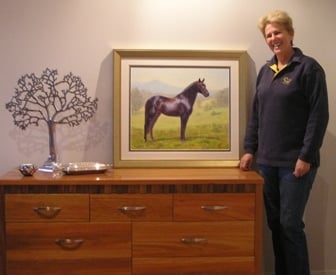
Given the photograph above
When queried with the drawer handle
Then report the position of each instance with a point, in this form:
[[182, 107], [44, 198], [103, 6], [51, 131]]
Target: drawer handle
[[47, 211], [194, 240], [213, 207], [69, 244], [131, 208]]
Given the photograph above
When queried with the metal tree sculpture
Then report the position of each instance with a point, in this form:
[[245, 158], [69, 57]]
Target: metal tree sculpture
[[54, 102]]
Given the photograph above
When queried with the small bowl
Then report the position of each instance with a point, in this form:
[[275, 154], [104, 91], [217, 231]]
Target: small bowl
[[27, 169]]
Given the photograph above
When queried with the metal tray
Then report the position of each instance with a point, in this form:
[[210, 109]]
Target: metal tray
[[79, 168]]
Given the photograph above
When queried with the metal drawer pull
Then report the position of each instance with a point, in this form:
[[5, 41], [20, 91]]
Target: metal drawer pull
[[213, 207], [47, 211], [131, 208], [194, 240], [69, 244]]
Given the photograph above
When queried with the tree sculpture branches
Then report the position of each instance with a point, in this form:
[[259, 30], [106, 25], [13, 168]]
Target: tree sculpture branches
[[53, 101], [47, 99]]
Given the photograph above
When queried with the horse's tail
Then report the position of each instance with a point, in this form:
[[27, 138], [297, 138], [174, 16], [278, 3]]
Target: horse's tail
[[149, 112]]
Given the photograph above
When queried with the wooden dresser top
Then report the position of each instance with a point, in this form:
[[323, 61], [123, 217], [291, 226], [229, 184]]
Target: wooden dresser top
[[137, 176]]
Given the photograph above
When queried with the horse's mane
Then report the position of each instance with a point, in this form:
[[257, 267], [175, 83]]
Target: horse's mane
[[188, 87]]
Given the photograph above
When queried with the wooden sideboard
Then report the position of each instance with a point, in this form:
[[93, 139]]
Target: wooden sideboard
[[132, 221]]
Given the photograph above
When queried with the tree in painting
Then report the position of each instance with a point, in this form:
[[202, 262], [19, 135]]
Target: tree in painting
[[47, 99]]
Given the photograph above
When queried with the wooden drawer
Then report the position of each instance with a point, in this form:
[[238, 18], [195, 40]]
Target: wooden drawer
[[47, 207], [120, 266], [194, 266], [197, 239], [143, 207], [60, 248], [214, 207]]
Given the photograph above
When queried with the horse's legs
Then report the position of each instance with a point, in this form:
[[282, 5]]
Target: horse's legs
[[150, 113], [152, 123], [184, 120], [149, 124], [146, 127]]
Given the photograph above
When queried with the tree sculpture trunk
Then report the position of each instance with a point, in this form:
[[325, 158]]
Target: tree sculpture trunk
[[51, 162]]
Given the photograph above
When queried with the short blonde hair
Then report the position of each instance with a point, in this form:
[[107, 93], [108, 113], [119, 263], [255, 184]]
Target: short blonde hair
[[277, 16]]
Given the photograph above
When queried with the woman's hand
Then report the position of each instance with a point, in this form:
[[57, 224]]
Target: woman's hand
[[246, 162], [301, 168]]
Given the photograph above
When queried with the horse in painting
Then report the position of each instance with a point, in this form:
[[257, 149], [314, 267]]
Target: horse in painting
[[179, 106]]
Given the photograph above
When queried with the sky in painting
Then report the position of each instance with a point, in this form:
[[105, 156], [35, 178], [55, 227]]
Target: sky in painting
[[216, 78]]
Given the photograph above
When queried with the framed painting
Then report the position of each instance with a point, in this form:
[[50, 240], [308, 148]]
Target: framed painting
[[178, 108]]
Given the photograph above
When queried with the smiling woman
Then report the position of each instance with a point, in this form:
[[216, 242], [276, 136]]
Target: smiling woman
[[287, 125], [277, 28]]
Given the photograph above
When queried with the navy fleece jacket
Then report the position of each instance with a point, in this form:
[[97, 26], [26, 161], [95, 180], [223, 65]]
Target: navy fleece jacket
[[289, 114]]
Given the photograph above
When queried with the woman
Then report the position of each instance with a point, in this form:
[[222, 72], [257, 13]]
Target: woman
[[285, 132]]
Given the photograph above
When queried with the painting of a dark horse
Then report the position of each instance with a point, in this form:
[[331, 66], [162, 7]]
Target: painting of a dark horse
[[179, 106]]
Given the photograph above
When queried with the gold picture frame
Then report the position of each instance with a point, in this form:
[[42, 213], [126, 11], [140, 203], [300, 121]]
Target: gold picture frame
[[214, 131]]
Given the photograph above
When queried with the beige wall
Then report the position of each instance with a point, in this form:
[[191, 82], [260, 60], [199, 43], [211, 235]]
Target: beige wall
[[79, 35]]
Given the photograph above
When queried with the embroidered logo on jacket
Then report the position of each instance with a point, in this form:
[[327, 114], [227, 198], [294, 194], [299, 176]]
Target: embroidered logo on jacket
[[286, 80]]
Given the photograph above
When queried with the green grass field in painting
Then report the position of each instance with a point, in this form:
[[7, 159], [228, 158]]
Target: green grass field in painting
[[206, 130]]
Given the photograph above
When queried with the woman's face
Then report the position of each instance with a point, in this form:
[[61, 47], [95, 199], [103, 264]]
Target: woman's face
[[278, 39]]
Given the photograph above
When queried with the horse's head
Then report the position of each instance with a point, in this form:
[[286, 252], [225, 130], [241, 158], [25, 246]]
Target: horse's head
[[201, 87]]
